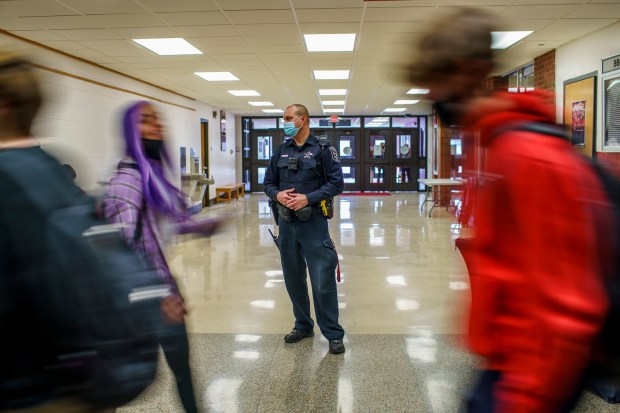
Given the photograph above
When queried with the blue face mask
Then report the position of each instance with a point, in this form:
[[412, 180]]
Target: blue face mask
[[290, 129]]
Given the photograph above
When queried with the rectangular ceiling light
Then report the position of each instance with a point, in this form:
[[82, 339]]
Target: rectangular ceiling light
[[331, 74], [418, 91], [503, 40], [273, 111], [169, 46], [332, 92], [333, 110], [395, 109], [332, 102], [261, 103], [244, 92], [330, 42], [216, 76], [406, 101]]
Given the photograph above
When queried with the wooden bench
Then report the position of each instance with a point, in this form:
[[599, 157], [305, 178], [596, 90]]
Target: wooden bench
[[229, 190]]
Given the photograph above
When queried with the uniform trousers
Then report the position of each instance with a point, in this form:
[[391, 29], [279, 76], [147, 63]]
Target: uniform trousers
[[307, 245]]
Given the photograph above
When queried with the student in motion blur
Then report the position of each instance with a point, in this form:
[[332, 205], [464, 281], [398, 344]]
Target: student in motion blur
[[33, 184], [538, 300], [138, 197]]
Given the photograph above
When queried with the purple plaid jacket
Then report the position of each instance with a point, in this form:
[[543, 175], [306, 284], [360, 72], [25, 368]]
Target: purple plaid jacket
[[124, 204]]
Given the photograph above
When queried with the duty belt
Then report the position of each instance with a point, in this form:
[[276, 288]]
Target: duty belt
[[303, 214]]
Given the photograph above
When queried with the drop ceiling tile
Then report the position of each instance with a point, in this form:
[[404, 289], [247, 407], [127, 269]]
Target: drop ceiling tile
[[274, 40], [395, 27], [326, 4], [236, 57], [227, 50], [282, 30], [15, 23], [22, 8], [64, 45], [205, 31], [477, 3], [127, 20], [216, 41], [145, 32], [37, 35], [104, 7], [331, 56], [321, 28], [596, 11], [193, 19], [541, 12], [244, 64], [566, 29], [178, 5], [399, 4], [409, 14], [329, 15], [117, 48], [254, 5], [63, 22], [279, 48], [87, 34], [537, 2], [93, 56], [261, 16], [525, 24]]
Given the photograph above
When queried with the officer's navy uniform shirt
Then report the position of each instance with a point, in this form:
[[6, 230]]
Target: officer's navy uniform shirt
[[308, 178]]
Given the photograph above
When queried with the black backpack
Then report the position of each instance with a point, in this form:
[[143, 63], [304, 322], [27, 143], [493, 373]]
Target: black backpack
[[101, 302]]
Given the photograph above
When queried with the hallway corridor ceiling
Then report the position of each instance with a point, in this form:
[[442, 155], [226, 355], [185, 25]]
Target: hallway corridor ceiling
[[261, 42]]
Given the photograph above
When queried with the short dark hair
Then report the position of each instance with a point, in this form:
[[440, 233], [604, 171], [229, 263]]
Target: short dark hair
[[19, 90], [300, 110], [466, 34]]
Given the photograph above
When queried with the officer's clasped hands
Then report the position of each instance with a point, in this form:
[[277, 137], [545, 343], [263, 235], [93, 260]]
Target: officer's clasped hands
[[292, 200]]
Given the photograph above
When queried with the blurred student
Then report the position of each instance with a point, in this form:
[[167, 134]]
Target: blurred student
[[538, 301], [33, 184], [139, 196]]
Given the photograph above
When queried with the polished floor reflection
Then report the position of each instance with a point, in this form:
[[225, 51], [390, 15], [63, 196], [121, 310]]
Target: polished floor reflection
[[403, 296]]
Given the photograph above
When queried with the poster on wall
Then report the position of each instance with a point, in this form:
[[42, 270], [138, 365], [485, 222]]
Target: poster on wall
[[578, 124], [580, 112], [223, 130]]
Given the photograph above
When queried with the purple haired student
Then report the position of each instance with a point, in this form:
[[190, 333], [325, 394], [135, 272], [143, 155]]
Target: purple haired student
[[138, 197]]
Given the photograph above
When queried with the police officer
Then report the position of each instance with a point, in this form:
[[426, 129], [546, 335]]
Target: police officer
[[303, 172]]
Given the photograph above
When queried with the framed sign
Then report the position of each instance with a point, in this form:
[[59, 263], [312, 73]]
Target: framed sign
[[222, 130], [580, 112]]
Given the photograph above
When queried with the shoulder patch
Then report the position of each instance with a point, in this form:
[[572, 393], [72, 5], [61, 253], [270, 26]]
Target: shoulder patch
[[334, 153]]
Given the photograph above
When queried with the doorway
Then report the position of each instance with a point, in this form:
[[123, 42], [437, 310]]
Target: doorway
[[204, 152]]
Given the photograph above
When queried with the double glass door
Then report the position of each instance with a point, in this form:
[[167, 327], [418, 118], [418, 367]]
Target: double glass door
[[391, 159], [381, 160]]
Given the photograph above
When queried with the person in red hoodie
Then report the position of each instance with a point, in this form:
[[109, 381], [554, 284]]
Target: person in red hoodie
[[538, 300]]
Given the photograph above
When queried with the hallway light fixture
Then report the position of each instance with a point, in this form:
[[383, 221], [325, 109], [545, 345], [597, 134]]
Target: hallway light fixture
[[244, 93], [406, 101], [216, 76], [395, 109], [331, 74], [503, 40], [169, 46], [416, 91], [330, 42], [332, 92], [261, 103], [333, 110], [332, 102]]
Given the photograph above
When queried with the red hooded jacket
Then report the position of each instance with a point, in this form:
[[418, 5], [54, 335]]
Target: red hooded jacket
[[538, 300]]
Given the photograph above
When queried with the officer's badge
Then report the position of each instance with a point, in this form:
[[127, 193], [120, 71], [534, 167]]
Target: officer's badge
[[308, 155], [335, 156]]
